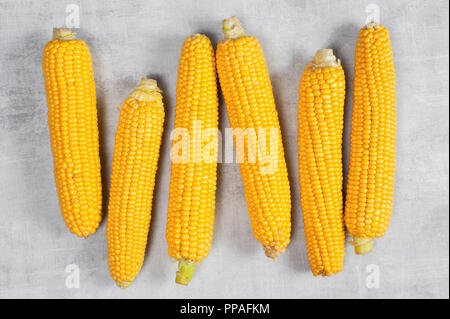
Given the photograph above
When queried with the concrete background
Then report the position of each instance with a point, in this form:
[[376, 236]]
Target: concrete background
[[130, 41]]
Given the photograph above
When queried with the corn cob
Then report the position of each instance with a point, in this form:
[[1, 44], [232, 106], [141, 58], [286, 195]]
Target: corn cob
[[370, 187], [320, 129], [72, 120], [190, 216], [135, 161], [247, 90]]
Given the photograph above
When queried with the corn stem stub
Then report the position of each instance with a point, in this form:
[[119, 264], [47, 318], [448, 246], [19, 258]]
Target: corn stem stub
[[186, 269], [362, 245]]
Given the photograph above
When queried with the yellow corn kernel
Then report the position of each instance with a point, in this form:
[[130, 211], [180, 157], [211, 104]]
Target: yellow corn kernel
[[247, 90], [190, 216], [370, 188], [72, 120], [320, 129], [135, 161]]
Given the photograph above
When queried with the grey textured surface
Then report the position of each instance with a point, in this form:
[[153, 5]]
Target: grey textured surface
[[128, 42]]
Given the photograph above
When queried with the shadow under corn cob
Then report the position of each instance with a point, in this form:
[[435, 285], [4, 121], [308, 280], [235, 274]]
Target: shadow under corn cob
[[370, 187], [320, 129], [190, 215], [72, 120], [134, 166], [247, 90]]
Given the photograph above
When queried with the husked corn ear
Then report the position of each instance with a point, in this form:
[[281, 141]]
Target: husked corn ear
[[370, 188], [135, 161], [320, 129], [247, 90], [190, 216], [72, 120]]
